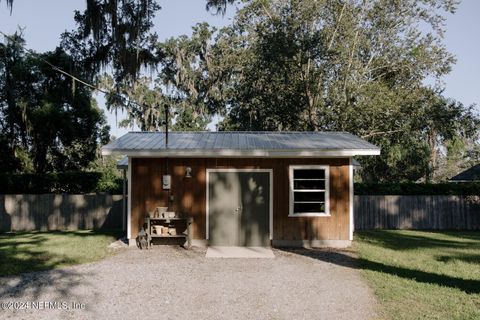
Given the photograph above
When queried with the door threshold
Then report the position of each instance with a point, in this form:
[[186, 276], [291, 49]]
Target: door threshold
[[239, 252]]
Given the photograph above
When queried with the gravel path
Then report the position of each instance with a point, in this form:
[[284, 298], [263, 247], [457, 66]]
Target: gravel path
[[173, 283]]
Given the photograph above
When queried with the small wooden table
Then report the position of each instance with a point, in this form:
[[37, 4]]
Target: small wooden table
[[187, 222]]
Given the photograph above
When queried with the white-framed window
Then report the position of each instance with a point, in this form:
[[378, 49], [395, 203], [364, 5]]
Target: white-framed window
[[309, 190]]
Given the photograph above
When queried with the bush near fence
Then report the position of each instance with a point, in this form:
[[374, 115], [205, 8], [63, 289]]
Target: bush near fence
[[79, 182], [411, 188]]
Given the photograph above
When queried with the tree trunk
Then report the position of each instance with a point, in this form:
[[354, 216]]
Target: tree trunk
[[432, 161]]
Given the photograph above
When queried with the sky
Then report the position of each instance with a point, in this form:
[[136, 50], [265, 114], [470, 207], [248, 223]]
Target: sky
[[45, 20]]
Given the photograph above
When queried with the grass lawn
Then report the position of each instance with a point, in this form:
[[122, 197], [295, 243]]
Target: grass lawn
[[422, 275], [33, 251]]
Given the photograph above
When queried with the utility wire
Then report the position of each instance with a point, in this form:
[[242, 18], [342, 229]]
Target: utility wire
[[54, 67]]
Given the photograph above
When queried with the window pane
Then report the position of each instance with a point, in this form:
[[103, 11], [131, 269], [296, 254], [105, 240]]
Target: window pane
[[309, 184], [308, 207], [309, 196], [309, 174]]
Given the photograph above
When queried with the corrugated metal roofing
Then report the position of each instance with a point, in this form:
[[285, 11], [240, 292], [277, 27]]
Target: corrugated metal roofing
[[122, 164], [236, 142]]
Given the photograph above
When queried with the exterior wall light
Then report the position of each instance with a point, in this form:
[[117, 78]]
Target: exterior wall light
[[188, 172]]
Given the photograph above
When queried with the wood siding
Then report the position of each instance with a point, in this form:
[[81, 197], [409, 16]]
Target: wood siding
[[189, 194], [420, 212]]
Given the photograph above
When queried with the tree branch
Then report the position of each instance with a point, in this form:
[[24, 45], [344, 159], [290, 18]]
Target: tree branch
[[378, 133], [336, 28]]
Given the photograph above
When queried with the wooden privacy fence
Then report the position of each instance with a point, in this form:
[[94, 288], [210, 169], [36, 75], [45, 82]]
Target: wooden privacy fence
[[417, 212], [60, 212], [91, 211]]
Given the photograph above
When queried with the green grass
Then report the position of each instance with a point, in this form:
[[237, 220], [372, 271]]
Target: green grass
[[422, 275], [33, 251]]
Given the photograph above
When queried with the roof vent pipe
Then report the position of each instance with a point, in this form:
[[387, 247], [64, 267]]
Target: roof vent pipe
[[166, 126]]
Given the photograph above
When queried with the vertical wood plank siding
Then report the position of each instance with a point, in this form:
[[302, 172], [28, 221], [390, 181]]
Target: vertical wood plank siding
[[30, 212], [190, 194], [420, 212]]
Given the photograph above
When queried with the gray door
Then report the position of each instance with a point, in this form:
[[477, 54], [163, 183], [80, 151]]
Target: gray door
[[238, 208]]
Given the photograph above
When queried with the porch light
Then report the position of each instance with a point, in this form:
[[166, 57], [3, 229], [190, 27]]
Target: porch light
[[188, 172]]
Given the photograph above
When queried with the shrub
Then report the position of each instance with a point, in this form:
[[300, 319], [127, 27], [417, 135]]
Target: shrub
[[76, 182], [411, 188]]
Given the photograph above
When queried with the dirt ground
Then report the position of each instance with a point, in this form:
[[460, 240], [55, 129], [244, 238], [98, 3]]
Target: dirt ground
[[170, 282]]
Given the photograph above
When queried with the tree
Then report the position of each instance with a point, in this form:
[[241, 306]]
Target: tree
[[144, 105], [217, 6], [115, 34], [351, 65], [187, 83], [42, 111], [355, 66], [9, 4], [330, 53], [190, 78]]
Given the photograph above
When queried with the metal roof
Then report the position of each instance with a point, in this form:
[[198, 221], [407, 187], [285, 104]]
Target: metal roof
[[240, 144], [122, 164], [471, 174], [355, 164]]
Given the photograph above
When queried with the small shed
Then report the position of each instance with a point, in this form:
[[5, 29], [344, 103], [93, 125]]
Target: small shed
[[245, 188]]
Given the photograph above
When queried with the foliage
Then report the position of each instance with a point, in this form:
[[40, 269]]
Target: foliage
[[321, 65], [43, 113], [460, 154], [354, 65], [190, 78], [351, 66], [8, 161], [9, 4], [111, 179], [186, 84], [410, 188], [75, 182], [326, 58], [422, 275], [114, 34], [215, 6], [144, 106], [34, 251]]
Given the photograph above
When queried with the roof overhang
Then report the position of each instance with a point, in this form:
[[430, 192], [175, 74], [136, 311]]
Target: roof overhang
[[122, 164], [231, 153]]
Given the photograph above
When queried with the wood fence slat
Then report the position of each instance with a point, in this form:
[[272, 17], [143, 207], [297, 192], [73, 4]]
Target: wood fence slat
[[60, 212], [429, 212]]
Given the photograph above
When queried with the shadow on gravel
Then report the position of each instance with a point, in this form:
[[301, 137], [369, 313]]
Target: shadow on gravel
[[60, 283], [348, 259], [30, 265]]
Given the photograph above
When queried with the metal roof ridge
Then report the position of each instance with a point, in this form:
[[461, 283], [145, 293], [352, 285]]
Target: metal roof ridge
[[239, 132]]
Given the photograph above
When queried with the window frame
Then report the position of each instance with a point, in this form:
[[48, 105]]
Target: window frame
[[291, 170]]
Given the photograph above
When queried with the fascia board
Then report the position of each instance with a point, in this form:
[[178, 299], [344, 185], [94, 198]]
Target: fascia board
[[224, 153]]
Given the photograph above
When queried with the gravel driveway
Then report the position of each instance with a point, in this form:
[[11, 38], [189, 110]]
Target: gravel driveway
[[173, 283]]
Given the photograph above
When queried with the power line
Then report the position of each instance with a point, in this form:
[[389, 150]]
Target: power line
[[74, 78]]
